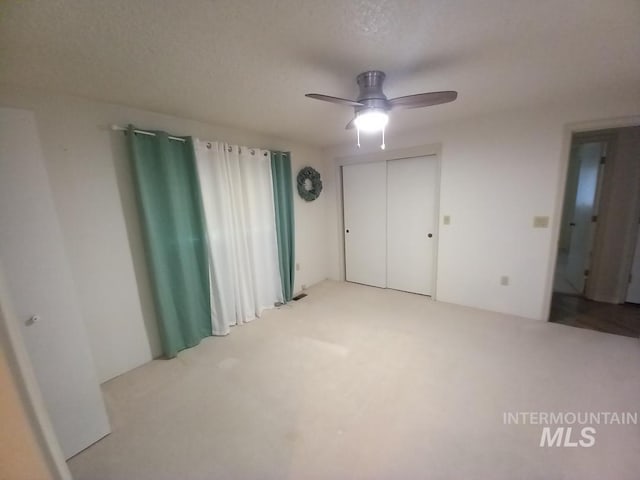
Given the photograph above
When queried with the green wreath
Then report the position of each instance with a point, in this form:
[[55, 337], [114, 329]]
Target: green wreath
[[309, 184]]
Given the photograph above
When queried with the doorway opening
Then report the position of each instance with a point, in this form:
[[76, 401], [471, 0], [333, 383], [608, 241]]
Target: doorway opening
[[587, 161], [598, 257]]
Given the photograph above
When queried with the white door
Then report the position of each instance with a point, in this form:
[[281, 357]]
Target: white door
[[633, 292], [588, 155], [39, 283], [364, 188], [411, 224]]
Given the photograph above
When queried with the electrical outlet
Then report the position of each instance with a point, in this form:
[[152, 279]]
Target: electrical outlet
[[446, 219], [504, 280], [297, 267], [540, 222], [304, 287]]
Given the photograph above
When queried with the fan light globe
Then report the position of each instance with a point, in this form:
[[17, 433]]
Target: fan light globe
[[371, 121]]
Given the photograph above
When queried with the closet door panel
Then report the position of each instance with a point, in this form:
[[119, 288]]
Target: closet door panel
[[365, 238], [411, 224]]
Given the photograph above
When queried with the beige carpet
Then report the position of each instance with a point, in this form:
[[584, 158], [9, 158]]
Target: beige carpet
[[356, 382]]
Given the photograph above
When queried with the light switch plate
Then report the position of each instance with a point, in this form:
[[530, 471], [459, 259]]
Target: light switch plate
[[540, 222], [446, 219]]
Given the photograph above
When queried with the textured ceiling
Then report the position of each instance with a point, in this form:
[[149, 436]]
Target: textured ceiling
[[249, 63]]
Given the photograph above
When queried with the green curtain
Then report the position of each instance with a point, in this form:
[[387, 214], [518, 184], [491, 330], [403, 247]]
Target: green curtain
[[283, 199], [173, 223]]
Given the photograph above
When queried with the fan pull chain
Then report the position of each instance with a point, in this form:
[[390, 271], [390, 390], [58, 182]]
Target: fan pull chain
[[383, 146], [358, 134]]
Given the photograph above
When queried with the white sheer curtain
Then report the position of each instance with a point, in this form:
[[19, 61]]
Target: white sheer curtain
[[237, 193]]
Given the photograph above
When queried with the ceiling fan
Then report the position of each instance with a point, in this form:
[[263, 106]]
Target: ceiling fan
[[372, 106]]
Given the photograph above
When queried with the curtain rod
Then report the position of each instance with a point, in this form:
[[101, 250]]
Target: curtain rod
[[143, 132], [118, 128]]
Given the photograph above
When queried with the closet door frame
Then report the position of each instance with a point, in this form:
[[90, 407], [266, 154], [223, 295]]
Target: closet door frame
[[386, 155]]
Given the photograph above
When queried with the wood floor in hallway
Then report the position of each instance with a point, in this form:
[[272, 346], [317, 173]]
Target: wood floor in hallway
[[577, 311]]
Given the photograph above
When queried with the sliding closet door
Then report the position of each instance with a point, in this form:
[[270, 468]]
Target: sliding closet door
[[365, 231], [411, 224]]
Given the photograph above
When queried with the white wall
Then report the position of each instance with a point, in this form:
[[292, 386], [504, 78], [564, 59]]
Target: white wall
[[91, 181], [498, 171]]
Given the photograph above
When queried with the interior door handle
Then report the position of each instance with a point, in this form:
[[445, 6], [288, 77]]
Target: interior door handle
[[572, 224], [429, 235]]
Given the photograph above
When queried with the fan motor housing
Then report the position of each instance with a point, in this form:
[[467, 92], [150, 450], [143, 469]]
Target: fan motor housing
[[371, 95]]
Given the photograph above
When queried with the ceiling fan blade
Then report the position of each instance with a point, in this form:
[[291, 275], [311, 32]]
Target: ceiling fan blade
[[423, 99], [340, 101], [351, 124]]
